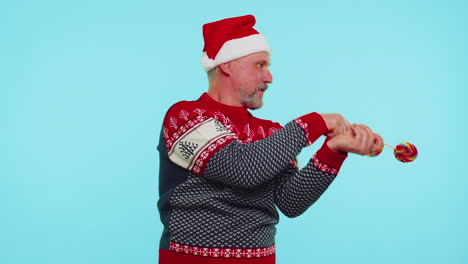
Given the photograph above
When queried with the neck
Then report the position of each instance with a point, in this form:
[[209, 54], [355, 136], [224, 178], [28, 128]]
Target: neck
[[222, 91]]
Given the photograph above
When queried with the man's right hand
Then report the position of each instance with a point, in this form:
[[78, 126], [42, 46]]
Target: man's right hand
[[359, 140]]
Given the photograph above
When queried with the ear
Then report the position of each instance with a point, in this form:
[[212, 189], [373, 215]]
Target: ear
[[226, 68]]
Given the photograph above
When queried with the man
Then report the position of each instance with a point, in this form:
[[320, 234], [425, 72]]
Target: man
[[224, 173]]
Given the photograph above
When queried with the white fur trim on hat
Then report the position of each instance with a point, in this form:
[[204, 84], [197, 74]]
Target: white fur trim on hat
[[236, 48]]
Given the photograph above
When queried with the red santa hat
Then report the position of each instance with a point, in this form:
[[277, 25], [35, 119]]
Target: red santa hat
[[230, 39]]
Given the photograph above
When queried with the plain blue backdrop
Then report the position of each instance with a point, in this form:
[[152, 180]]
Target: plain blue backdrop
[[84, 86]]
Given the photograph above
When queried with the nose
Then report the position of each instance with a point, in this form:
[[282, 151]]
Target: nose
[[267, 76]]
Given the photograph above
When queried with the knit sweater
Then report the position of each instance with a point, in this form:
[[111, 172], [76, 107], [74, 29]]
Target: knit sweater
[[224, 173]]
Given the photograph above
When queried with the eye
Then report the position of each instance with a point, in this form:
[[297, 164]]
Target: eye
[[260, 65]]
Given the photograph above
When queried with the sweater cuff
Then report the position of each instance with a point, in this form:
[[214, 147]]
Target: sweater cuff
[[313, 125], [328, 160]]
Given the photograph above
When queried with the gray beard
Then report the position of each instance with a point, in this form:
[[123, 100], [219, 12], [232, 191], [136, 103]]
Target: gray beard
[[250, 100]]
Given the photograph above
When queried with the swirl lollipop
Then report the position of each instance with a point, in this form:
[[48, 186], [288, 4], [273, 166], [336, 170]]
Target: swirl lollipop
[[404, 152]]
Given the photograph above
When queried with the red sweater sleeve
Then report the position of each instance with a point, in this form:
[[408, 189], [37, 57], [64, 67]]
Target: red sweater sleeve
[[313, 125]]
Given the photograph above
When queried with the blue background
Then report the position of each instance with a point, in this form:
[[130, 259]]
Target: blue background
[[84, 86]]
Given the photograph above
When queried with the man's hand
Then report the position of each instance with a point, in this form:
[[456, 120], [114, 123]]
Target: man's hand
[[336, 124], [359, 140]]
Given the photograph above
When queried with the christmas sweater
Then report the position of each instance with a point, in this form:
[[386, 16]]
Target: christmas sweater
[[225, 173]]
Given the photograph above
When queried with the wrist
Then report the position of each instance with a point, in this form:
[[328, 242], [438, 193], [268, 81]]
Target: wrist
[[313, 125], [333, 159], [332, 145]]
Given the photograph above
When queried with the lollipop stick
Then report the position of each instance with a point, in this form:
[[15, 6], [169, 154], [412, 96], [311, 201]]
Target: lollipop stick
[[390, 145]]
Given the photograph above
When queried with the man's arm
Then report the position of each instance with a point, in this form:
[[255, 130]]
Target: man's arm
[[207, 146], [251, 164], [296, 190]]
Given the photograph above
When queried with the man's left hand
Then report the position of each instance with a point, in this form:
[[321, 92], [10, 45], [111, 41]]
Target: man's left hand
[[336, 124]]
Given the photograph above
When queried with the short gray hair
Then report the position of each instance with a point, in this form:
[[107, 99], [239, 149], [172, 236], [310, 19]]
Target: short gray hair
[[212, 73]]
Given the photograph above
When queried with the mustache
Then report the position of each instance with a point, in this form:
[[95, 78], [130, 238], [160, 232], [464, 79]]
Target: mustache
[[262, 87]]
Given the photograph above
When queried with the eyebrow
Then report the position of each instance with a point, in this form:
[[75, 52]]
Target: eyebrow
[[268, 63]]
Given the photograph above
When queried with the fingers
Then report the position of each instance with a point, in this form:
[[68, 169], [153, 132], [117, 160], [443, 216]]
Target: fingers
[[345, 126], [369, 140], [348, 125], [359, 139], [336, 124], [365, 139], [378, 143]]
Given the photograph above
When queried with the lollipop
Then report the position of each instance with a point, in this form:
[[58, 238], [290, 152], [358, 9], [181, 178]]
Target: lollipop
[[404, 152]]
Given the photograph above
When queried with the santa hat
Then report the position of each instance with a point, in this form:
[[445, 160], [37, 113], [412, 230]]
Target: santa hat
[[230, 39]]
